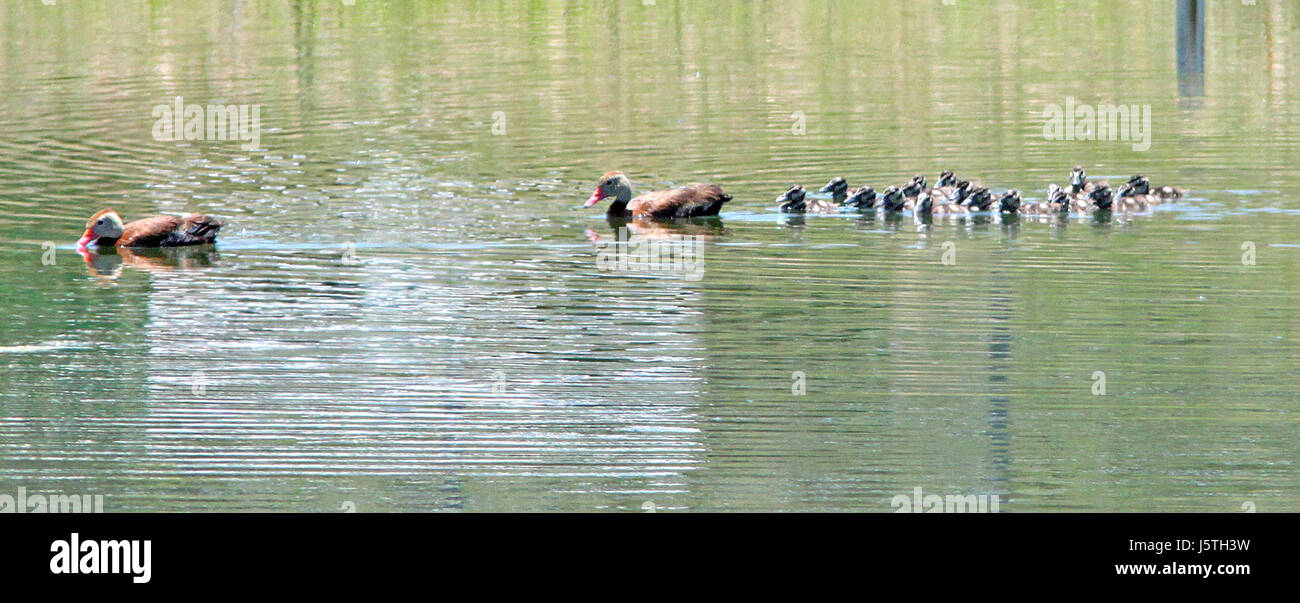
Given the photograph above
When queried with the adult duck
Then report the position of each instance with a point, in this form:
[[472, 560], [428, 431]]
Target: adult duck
[[684, 202], [105, 229]]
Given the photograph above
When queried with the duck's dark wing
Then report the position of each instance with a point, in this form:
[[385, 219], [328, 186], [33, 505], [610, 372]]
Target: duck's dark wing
[[170, 231], [686, 202]]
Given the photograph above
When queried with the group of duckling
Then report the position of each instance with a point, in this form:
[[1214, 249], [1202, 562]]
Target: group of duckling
[[951, 196]]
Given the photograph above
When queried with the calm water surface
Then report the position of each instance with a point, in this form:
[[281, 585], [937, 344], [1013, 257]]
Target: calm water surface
[[407, 312]]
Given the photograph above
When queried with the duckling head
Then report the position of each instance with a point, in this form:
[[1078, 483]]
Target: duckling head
[[960, 193], [1140, 184], [1077, 178], [863, 198], [792, 201], [838, 188], [892, 199], [946, 178]]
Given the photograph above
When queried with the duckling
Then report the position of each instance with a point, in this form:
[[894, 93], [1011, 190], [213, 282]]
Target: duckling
[[1058, 200], [959, 192], [892, 200], [1142, 186], [980, 199], [795, 201], [861, 199], [1126, 199], [838, 188], [1102, 198], [1010, 202], [792, 201], [1079, 184], [913, 189], [930, 203]]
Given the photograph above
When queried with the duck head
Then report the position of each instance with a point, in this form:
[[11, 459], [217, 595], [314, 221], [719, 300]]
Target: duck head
[[960, 193], [980, 199], [1140, 184], [914, 188], [1010, 202], [1125, 190], [892, 199], [925, 203], [1077, 178], [1102, 197], [791, 201], [105, 226], [946, 178], [838, 188], [863, 198], [613, 185]]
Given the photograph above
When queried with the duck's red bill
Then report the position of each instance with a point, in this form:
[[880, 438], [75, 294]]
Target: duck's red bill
[[595, 198], [84, 240]]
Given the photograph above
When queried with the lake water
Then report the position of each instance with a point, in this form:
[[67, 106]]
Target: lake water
[[409, 311]]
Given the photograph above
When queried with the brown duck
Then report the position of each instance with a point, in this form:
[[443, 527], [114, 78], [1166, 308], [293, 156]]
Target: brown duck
[[105, 229], [685, 202]]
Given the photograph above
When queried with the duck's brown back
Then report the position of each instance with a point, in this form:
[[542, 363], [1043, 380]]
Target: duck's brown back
[[685, 202], [170, 231]]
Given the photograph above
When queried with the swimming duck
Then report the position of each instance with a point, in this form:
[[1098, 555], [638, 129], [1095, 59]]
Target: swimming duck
[[1142, 186], [1079, 183], [892, 200], [959, 192], [792, 201], [913, 189], [1102, 199], [105, 229], [795, 201], [1010, 202], [838, 188], [1065, 201], [861, 198], [684, 202], [979, 199], [946, 184], [1127, 199]]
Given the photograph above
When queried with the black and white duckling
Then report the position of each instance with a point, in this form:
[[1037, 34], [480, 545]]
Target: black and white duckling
[[838, 188], [861, 199], [930, 203], [1063, 201], [796, 201], [946, 184], [1127, 199], [1079, 183], [793, 201], [913, 189], [1142, 186], [959, 192], [980, 199], [1102, 199], [1010, 202], [892, 200]]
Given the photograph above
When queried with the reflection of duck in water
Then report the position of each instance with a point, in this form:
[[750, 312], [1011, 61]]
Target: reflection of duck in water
[[108, 261], [708, 227]]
